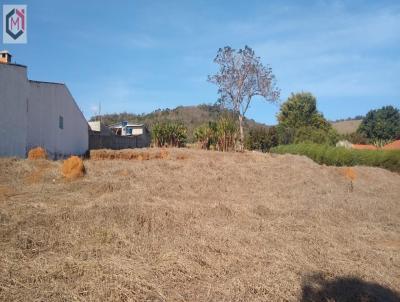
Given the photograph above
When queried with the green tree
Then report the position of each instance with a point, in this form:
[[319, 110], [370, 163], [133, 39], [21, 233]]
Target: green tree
[[381, 124], [300, 121], [300, 110], [221, 135]]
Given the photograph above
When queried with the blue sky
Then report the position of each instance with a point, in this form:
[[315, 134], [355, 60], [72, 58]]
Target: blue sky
[[138, 56]]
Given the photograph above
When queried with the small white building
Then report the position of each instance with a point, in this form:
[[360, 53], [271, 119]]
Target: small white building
[[118, 136], [34, 113], [128, 129]]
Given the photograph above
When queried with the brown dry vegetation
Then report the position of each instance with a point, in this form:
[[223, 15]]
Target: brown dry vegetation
[[73, 168], [346, 127], [209, 227], [37, 153]]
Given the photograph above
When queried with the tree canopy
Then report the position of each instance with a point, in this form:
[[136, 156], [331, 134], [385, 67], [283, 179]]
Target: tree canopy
[[300, 121], [300, 110], [381, 124], [242, 76]]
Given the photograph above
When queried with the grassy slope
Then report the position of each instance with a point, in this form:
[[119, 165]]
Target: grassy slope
[[198, 226], [346, 127]]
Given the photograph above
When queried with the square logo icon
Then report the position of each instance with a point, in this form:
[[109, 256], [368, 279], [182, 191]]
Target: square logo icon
[[15, 24]]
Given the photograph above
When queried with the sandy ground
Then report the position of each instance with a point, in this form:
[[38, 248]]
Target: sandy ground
[[199, 226]]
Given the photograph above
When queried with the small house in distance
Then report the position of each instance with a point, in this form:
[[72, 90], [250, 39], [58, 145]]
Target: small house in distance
[[128, 129], [98, 128], [122, 135]]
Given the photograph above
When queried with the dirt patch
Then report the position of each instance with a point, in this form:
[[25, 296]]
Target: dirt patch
[[263, 211], [39, 169], [392, 146], [364, 147], [37, 153], [73, 168], [349, 173], [181, 157], [6, 191]]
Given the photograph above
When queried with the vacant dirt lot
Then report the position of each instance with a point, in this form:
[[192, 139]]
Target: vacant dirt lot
[[191, 225]]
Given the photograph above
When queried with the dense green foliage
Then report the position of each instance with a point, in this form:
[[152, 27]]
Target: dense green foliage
[[315, 135], [261, 138], [300, 121], [191, 116], [300, 110], [171, 134], [323, 154], [381, 124], [220, 135], [205, 135]]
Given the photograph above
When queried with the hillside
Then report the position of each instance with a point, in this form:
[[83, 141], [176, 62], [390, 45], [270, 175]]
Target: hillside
[[191, 116], [197, 225], [347, 126]]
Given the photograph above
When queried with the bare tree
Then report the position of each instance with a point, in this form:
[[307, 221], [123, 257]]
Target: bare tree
[[242, 76]]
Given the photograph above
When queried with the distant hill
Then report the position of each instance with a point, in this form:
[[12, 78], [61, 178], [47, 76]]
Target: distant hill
[[346, 126], [191, 116]]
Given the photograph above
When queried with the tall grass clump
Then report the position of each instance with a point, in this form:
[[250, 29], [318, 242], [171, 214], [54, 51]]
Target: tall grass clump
[[169, 134], [220, 135], [339, 156]]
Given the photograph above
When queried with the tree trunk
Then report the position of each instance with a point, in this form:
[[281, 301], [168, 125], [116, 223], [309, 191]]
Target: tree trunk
[[241, 141]]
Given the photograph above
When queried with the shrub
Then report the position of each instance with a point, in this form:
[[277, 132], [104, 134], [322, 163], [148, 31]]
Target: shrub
[[172, 134], [73, 168], [220, 135], [37, 153], [339, 156], [307, 134], [285, 135], [315, 135], [205, 135], [381, 142], [261, 138], [226, 134], [355, 138]]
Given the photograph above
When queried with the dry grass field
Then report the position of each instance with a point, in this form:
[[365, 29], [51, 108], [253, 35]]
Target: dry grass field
[[346, 127], [192, 225]]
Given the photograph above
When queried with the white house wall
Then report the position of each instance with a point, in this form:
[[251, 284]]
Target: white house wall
[[29, 116], [47, 102], [14, 89]]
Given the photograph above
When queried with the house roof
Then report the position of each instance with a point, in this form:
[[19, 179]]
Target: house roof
[[43, 82]]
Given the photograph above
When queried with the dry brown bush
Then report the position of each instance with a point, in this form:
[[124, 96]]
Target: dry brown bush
[[37, 153], [73, 168]]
